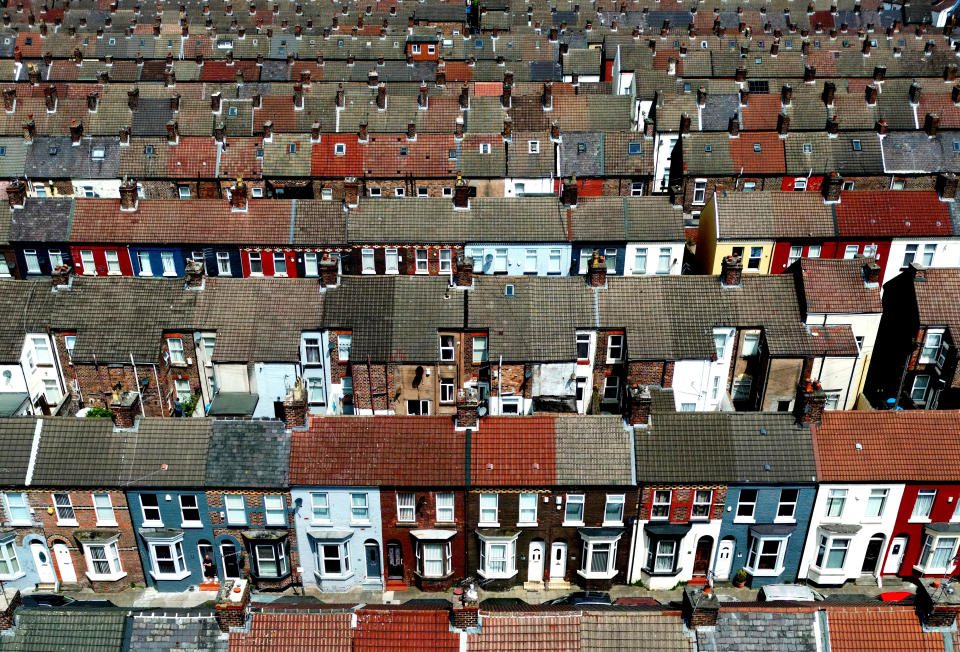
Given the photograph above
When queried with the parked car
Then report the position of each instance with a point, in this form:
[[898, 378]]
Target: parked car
[[581, 598], [55, 600], [791, 592]]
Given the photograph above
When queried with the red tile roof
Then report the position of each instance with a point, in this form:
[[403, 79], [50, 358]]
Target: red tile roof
[[918, 445], [193, 157], [831, 285], [868, 629], [324, 163], [278, 632], [390, 451], [408, 630], [516, 632], [240, 159], [897, 214], [769, 160], [514, 451], [427, 156]]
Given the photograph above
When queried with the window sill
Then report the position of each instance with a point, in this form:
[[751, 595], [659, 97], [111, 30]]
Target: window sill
[[338, 576], [114, 273], [445, 523], [933, 571], [406, 524], [368, 271], [152, 524], [169, 274], [361, 523], [572, 524], [609, 575], [281, 275], [528, 524], [764, 573], [614, 361], [229, 524], [612, 524], [191, 524], [15, 576], [160, 577], [739, 519], [482, 524], [495, 576], [390, 272], [145, 275], [919, 520], [873, 521], [68, 523], [656, 573], [109, 577], [433, 578], [784, 519], [107, 524]]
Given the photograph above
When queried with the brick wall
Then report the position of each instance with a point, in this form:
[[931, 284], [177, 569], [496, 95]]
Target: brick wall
[[372, 383], [681, 503]]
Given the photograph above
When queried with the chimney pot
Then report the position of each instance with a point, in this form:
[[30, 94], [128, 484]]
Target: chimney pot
[[731, 272], [17, 193], [832, 188], [128, 195], [596, 271], [810, 403], [931, 124]]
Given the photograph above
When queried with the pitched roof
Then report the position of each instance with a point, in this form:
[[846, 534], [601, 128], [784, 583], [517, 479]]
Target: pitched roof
[[160, 631], [892, 214], [773, 215], [772, 630], [405, 451], [634, 630], [888, 445], [835, 285], [936, 297], [323, 631], [514, 451], [17, 435], [99, 630], [881, 627], [248, 454], [404, 630], [42, 220], [593, 450], [525, 631]]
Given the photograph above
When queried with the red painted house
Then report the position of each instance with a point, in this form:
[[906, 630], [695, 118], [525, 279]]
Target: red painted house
[[101, 261], [267, 261], [927, 528], [423, 48]]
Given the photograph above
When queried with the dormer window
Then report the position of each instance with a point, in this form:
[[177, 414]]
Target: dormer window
[[52, 151], [757, 148], [807, 148], [98, 153], [340, 149]]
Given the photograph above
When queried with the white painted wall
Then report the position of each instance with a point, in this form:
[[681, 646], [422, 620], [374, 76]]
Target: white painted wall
[[234, 378], [687, 553], [853, 514], [529, 186], [653, 253], [947, 254], [273, 381], [101, 188], [693, 379], [863, 325], [12, 378], [37, 372], [661, 160]]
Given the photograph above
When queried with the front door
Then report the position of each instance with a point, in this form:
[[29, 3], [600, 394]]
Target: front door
[[394, 561], [231, 560], [558, 560], [373, 560], [895, 555], [701, 560], [872, 556], [41, 559], [724, 560], [68, 575], [535, 562]]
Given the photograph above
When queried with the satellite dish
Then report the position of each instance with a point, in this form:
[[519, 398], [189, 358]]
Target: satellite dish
[[482, 411]]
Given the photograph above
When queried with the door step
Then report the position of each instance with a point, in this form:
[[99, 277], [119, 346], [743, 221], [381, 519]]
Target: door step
[[866, 580], [697, 581], [396, 585], [558, 585], [46, 586], [533, 586]]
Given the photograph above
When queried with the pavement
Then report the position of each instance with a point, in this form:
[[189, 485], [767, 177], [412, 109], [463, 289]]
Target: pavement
[[147, 598]]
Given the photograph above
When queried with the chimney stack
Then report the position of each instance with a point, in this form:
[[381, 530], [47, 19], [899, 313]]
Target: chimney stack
[[596, 270], [297, 97], [362, 136], [699, 609], [411, 131], [950, 72], [871, 274], [175, 103], [173, 133], [569, 194], [829, 93], [238, 196], [128, 194], [76, 133], [133, 99], [124, 135], [684, 124], [461, 194], [702, 96], [833, 126], [947, 186], [295, 406], [881, 127], [810, 403], [268, 131], [879, 73], [329, 276], [194, 273], [832, 188], [809, 74], [731, 272], [871, 94], [29, 130], [340, 102], [60, 276], [931, 123], [505, 97], [786, 95], [10, 100], [468, 402], [423, 100], [125, 406], [17, 193], [50, 98], [315, 132], [464, 97], [215, 100], [733, 126], [641, 405], [93, 101], [351, 192], [546, 99], [555, 131], [464, 274], [915, 91], [381, 97], [783, 125]]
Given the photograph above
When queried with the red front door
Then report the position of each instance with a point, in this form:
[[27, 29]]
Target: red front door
[[701, 560]]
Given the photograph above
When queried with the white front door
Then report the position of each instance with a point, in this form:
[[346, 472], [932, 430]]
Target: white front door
[[535, 562], [721, 570], [64, 563], [895, 555], [41, 559], [558, 560]]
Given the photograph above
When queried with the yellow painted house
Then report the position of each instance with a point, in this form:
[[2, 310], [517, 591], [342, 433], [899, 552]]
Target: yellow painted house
[[728, 227]]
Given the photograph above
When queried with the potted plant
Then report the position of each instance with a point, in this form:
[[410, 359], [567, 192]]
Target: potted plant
[[740, 578]]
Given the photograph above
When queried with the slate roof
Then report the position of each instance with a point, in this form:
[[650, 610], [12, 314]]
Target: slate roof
[[739, 449], [252, 454], [325, 631], [603, 631], [17, 436], [159, 631], [888, 449], [42, 220], [397, 451], [772, 630], [832, 286], [61, 630]]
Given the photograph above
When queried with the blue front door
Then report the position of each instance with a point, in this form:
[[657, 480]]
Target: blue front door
[[373, 560]]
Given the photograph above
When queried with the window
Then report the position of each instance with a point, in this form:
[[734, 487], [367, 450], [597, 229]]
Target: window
[[918, 392], [446, 257], [848, 185], [720, 344], [423, 191], [183, 192], [831, 553], [610, 258], [333, 559], [189, 511], [489, 512], [715, 388], [479, 349], [661, 504], [938, 554], [611, 389], [528, 510], [585, 256], [746, 504], [702, 502], [422, 266], [583, 347], [795, 254], [484, 148], [41, 348], [751, 344], [275, 510], [855, 144], [32, 260], [530, 262], [663, 261], [876, 502], [279, 263], [909, 254], [445, 508], [143, 260], [414, 49], [175, 348], [533, 146], [662, 555], [757, 149], [788, 504], [756, 254], [223, 263], [497, 556], [749, 186], [928, 251], [256, 264], [400, 192], [870, 250], [742, 386], [271, 560], [598, 558], [151, 510], [292, 148], [366, 261], [766, 556], [98, 153], [319, 507], [181, 388], [392, 261], [634, 149], [64, 507], [103, 561], [636, 189], [418, 407], [9, 564], [923, 505], [406, 509], [500, 261], [613, 510], [168, 560], [931, 347], [311, 349], [614, 348], [699, 191], [103, 508], [235, 509], [344, 342], [433, 559], [836, 498], [359, 508], [326, 194], [4, 267], [113, 262], [447, 392], [640, 261], [18, 510]]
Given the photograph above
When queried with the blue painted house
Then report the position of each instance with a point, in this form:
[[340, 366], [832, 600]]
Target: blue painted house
[[165, 261], [40, 235]]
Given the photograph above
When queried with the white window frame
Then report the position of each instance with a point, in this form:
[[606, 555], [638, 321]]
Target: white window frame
[[752, 504], [228, 508], [919, 516], [699, 191], [480, 353], [279, 263], [448, 352], [406, 507], [611, 389], [533, 147], [720, 343], [928, 254], [11, 508], [223, 263], [664, 262], [167, 264], [148, 522], [698, 502], [32, 260], [143, 261], [530, 508], [184, 521], [500, 260], [657, 504], [101, 511], [754, 555], [254, 257], [530, 259], [446, 513], [446, 260], [930, 352], [583, 338], [319, 503], [175, 547], [579, 502], [665, 549], [359, 513], [391, 261], [175, 349], [181, 389], [921, 383], [112, 256], [435, 552], [367, 261], [508, 558], [835, 503], [10, 561], [311, 264], [69, 515], [421, 261], [274, 511], [55, 257], [799, 184], [111, 556], [931, 545], [590, 548], [640, 260], [827, 546], [882, 494], [486, 509], [448, 392], [343, 558], [617, 501], [615, 348], [41, 347], [88, 262]]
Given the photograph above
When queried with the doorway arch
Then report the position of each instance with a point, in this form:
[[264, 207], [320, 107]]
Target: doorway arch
[[702, 555], [724, 562]]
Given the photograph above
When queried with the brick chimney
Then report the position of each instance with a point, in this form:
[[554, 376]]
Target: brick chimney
[[133, 99], [809, 404], [569, 194], [351, 192], [833, 126], [684, 124], [315, 132], [216, 102], [937, 608], [298, 101], [10, 100], [50, 98], [17, 193], [461, 194], [411, 131], [381, 97], [295, 406], [546, 98], [832, 188], [362, 135], [700, 608], [339, 100], [829, 93], [60, 276], [238, 196], [786, 95], [76, 133], [423, 99], [128, 194], [931, 124], [329, 274], [596, 271], [268, 131], [464, 97], [173, 133], [468, 408], [871, 274], [947, 186], [464, 273], [641, 404], [465, 616], [809, 74], [231, 607], [915, 92], [731, 272], [194, 273], [733, 126], [783, 125], [175, 102], [125, 406], [870, 93]]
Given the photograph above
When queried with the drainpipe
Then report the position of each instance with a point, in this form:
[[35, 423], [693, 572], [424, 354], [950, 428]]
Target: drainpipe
[[499, 385], [136, 378]]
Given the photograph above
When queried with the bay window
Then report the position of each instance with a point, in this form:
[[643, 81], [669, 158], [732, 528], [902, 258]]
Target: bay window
[[831, 552], [166, 558], [103, 559], [9, 564], [766, 555], [498, 556], [434, 559], [598, 558], [332, 560], [938, 553], [528, 510], [662, 556], [269, 557]]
